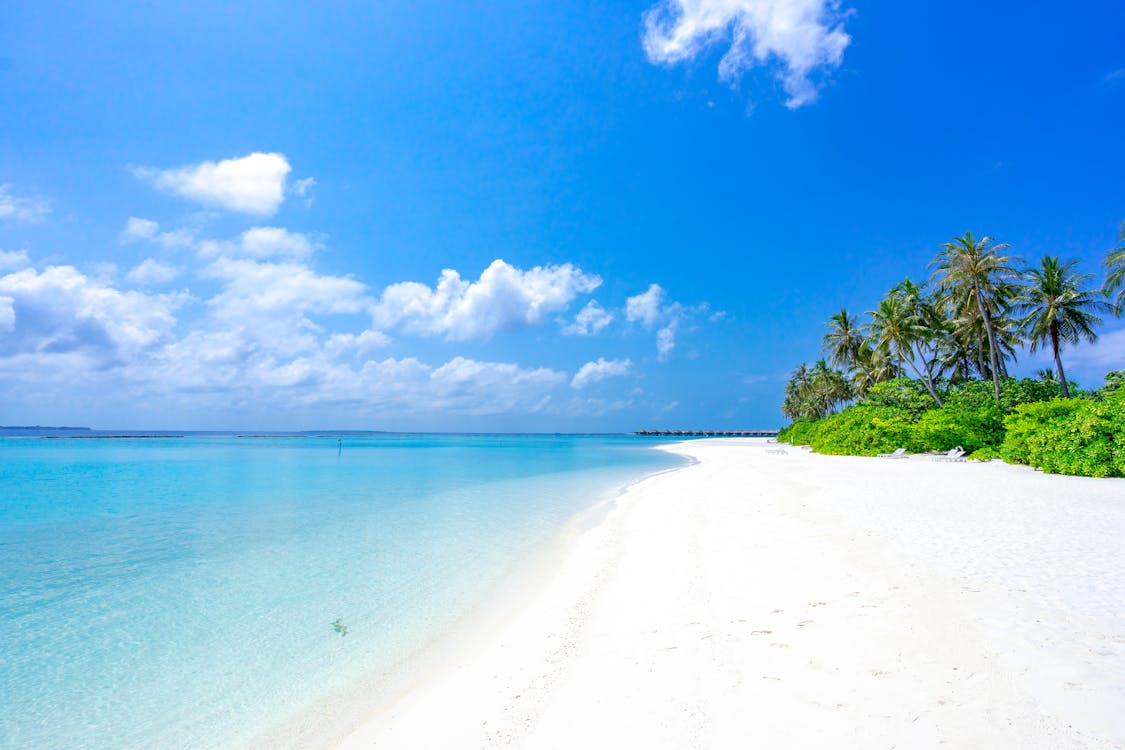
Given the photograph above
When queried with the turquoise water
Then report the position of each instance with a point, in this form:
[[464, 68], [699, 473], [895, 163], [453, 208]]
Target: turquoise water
[[183, 592]]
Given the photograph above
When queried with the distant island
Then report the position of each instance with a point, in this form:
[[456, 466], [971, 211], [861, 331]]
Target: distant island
[[43, 428]]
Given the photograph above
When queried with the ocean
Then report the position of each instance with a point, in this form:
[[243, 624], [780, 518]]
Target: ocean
[[207, 590]]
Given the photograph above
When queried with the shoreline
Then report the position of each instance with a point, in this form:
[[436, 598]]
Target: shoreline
[[750, 597], [334, 718]]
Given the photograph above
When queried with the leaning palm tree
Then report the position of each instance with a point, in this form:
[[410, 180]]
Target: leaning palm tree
[[896, 328], [843, 340], [974, 271], [1115, 274], [1059, 307]]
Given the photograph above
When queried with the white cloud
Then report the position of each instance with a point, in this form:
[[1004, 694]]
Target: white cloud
[[303, 189], [253, 184], [13, 259], [263, 242], [152, 272], [799, 36], [649, 308], [645, 307], [361, 344], [7, 314], [62, 311], [589, 321], [251, 288], [20, 208], [1107, 353], [147, 230], [666, 341], [600, 369], [504, 297]]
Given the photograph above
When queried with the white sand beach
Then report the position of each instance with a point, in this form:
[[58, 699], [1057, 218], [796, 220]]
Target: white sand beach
[[782, 601]]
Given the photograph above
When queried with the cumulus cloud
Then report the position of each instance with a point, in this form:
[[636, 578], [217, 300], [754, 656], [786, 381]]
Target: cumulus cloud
[[796, 37], [263, 242], [21, 208], [504, 297], [589, 321], [152, 272], [600, 369], [645, 307], [253, 184], [61, 311]]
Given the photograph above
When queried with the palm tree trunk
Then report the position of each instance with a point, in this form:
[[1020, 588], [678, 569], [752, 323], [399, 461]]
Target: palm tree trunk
[[925, 381], [987, 316], [1058, 359]]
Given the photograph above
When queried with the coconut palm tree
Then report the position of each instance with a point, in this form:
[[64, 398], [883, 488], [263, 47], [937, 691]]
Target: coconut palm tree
[[829, 388], [1059, 307], [874, 364], [974, 271], [1115, 274], [843, 340], [898, 328]]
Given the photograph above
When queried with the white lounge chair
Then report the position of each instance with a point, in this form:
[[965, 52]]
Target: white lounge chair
[[899, 453], [956, 455], [779, 450]]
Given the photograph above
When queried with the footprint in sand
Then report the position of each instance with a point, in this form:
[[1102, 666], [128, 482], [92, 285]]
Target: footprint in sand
[[879, 673], [817, 604], [780, 645], [761, 632], [803, 623]]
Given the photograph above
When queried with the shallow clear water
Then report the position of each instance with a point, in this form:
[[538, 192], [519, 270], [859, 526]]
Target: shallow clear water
[[182, 592]]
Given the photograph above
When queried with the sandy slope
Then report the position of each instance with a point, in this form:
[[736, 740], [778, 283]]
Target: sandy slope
[[757, 600]]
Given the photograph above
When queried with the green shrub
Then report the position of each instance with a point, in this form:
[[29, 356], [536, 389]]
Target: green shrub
[[977, 394], [984, 454], [972, 429], [1030, 420], [1083, 436], [1070, 436], [905, 394], [861, 430]]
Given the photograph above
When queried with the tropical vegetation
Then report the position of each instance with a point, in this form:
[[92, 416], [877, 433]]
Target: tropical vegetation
[[927, 368]]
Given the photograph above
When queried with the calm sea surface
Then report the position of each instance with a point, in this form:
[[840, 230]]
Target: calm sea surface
[[193, 592]]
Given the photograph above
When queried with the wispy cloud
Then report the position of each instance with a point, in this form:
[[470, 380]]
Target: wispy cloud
[[599, 370], [797, 38], [21, 208]]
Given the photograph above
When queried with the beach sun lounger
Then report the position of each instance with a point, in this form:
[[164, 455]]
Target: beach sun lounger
[[899, 453], [778, 450], [956, 455]]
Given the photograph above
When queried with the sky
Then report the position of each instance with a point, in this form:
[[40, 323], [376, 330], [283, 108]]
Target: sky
[[521, 216]]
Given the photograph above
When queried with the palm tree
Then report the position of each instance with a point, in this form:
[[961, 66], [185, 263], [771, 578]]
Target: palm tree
[[896, 327], [974, 271], [843, 340], [829, 388], [874, 364], [1059, 308], [1115, 274]]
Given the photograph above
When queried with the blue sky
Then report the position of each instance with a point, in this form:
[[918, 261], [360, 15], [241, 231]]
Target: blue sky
[[239, 215]]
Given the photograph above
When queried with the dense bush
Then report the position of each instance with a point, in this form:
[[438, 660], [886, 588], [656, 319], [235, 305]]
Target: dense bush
[[972, 429], [1031, 425], [905, 394], [1070, 436], [977, 394]]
